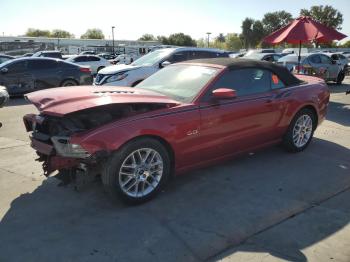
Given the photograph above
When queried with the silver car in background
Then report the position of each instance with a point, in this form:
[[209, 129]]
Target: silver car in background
[[315, 64]]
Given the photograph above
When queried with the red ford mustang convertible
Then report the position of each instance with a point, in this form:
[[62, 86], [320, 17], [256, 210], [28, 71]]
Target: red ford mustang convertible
[[187, 115]]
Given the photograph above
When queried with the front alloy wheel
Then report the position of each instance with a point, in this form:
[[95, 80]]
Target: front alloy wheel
[[141, 172], [137, 171]]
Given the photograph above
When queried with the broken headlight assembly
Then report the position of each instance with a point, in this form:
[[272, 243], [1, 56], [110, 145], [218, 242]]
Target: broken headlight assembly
[[66, 149]]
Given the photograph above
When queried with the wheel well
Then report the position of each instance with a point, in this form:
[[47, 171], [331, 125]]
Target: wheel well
[[313, 109], [69, 79], [137, 82], [165, 143]]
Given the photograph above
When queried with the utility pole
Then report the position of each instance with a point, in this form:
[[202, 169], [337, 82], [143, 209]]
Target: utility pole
[[113, 38], [208, 37]]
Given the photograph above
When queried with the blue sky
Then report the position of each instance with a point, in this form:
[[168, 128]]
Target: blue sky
[[132, 18]]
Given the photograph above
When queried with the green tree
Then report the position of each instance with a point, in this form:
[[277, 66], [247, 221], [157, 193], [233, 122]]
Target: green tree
[[258, 32], [275, 20], [326, 15], [233, 42], [180, 39], [247, 32], [346, 44], [93, 33], [147, 37], [163, 39], [220, 38], [201, 43], [37, 32], [58, 33]]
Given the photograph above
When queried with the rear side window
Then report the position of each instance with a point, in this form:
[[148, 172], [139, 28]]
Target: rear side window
[[246, 81], [316, 59], [80, 59], [325, 59], [92, 59], [41, 64], [18, 67], [178, 57]]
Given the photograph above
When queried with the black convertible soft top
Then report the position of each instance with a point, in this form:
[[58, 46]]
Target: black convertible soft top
[[233, 63]]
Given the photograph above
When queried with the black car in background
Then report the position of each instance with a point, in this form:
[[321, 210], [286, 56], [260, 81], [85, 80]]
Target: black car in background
[[4, 58], [52, 54], [29, 74]]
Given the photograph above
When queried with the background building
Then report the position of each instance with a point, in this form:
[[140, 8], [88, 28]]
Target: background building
[[21, 45]]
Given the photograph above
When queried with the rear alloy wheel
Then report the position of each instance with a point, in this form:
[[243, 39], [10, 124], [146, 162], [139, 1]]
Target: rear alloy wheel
[[340, 77], [300, 131], [138, 171], [69, 83]]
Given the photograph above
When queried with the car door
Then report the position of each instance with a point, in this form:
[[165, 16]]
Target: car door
[[318, 68], [45, 73], [333, 68], [17, 78], [248, 121]]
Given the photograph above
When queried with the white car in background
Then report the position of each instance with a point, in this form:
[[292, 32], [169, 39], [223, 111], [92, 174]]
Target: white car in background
[[95, 63], [131, 75]]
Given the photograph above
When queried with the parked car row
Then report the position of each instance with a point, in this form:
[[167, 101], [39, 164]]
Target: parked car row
[[23, 75], [140, 69]]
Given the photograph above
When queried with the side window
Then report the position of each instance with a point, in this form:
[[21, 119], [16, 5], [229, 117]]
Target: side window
[[178, 57], [80, 59], [315, 59], [41, 64], [18, 67], [276, 57], [204, 54], [94, 58], [246, 81], [325, 59]]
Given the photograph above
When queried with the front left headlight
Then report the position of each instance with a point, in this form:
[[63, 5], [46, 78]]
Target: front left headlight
[[66, 149], [116, 77]]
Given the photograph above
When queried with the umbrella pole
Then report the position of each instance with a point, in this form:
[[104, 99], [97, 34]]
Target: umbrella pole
[[299, 57]]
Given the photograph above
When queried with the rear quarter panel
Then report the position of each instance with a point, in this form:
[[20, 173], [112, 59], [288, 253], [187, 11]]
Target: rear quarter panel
[[313, 92]]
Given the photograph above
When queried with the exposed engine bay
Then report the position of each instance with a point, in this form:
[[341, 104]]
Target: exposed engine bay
[[51, 137]]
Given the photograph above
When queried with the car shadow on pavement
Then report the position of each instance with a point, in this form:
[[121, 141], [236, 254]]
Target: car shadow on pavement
[[17, 101], [336, 89], [339, 113], [195, 218]]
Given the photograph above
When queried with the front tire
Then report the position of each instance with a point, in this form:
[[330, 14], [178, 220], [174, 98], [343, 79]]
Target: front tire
[[69, 82], [138, 171], [300, 131]]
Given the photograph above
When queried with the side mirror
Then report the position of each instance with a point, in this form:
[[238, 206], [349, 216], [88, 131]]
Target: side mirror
[[164, 64], [224, 93], [4, 70]]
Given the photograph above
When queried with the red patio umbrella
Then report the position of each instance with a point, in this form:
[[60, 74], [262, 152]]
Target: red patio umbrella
[[303, 30]]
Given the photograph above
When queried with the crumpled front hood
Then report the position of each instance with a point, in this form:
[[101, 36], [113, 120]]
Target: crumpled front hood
[[64, 100], [116, 69]]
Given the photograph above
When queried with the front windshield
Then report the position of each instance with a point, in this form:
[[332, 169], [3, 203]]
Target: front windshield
[[152, 58], [179, 82]]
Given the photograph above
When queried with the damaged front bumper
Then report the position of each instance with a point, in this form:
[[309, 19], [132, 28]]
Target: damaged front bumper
[[56, 152]]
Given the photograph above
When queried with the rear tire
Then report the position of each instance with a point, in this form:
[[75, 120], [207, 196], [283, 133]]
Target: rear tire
[[300, 131], [137, 172], [69, 82], [340, 77]]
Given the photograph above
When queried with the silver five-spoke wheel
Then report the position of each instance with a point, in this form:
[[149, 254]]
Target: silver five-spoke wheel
[[302, 131], [141, 172]]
